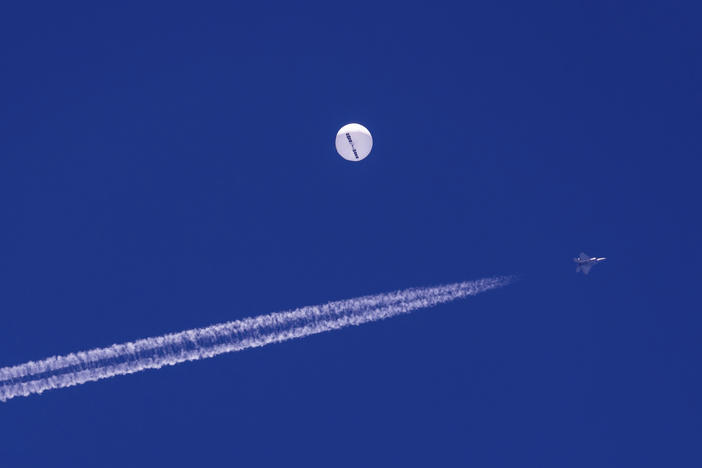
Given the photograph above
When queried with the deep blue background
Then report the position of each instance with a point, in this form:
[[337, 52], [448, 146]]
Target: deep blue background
[[172, 166]]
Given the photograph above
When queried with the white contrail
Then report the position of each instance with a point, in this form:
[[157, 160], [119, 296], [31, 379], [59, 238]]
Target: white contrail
[[191, 345]]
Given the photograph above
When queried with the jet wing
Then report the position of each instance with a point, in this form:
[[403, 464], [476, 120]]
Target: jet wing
[[585, 268], [584, 257]]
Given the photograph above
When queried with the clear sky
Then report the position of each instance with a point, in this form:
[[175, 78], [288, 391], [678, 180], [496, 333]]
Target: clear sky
[[169, 166]]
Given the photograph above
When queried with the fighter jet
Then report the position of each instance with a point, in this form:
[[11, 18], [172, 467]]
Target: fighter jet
[[586, 262]]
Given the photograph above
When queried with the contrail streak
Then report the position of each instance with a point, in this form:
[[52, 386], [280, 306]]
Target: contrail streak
[[200, 343]]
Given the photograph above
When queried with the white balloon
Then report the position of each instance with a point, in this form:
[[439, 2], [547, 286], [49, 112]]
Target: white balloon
[[354, 142]]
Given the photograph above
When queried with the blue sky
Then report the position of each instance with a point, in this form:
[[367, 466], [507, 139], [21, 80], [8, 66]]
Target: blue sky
[[169, 166]]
